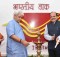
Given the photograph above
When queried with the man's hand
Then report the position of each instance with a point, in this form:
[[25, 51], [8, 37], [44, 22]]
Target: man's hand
[[1, 40], [57, 40], [24, 42], [53, 37]]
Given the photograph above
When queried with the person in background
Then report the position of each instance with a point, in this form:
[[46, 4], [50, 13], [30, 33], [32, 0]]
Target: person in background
[[52, 34], [1, 39], [16, 43]]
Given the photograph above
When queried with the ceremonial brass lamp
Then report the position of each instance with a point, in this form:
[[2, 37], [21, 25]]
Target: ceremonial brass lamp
[[38, 45]]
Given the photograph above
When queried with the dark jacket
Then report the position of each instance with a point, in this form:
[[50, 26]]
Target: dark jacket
[[53, 29]]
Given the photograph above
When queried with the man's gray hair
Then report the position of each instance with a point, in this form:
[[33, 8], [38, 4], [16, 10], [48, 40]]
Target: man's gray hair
[[16, 12], [53, 12]]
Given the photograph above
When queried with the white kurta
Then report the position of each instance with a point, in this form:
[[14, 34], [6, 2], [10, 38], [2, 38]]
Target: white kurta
[[47, 36]]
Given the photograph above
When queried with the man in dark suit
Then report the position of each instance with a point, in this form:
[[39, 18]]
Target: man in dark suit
[[52, 34]]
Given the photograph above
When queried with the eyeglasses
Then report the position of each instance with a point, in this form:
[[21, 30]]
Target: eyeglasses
[[52, 16], [20, 16]]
